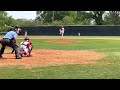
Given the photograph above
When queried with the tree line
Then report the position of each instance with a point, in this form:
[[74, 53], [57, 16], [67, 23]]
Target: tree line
[[79, 17], [62, 18]]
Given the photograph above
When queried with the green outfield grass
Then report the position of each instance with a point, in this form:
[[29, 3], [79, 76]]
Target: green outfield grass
[[106, 68]]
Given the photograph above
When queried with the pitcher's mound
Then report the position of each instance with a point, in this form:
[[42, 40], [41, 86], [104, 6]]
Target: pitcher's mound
[[51, 57]]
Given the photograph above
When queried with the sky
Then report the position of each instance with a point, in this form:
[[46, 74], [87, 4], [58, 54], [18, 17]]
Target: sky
[[22, 14]]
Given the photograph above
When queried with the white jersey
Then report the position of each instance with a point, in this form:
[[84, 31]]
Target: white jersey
[[62, 31], [24, 47]]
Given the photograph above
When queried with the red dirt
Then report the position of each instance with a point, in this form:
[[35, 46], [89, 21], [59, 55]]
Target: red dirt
[[51, 57]]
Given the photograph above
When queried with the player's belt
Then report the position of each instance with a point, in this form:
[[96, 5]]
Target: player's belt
[[7, 38]]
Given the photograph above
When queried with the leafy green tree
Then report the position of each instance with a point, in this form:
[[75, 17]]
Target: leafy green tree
[[68, 20], [89, 16], [112, 18], [50, 16], [45, 16], [84, 18], [10, 21], [97, 16], [57, 22], [5, 21]]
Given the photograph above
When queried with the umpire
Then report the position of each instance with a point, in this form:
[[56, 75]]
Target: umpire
[[10, 40]]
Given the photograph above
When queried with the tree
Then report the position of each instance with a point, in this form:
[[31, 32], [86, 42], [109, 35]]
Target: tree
[[84, 17], [38, 16], [45, 16], [97, 16], [68, 20], [50, 16], [112, 18], [5, 20]]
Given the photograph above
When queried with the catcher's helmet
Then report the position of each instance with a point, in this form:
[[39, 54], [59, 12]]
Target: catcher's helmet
[[27, 38]]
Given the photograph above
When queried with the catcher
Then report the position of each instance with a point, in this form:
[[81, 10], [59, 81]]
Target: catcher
[[25, 47]]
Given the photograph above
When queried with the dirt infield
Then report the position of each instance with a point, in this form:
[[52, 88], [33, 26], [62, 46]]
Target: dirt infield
[[45, 57], [51, 57]]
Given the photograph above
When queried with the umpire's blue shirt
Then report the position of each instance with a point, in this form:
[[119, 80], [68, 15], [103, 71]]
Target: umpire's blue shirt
[[10, 35]]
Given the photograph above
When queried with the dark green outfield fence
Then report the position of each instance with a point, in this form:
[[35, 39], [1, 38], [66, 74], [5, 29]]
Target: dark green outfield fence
[[73, 30]]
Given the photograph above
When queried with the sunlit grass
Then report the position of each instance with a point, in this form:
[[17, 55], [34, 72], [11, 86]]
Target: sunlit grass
[[106, 68]]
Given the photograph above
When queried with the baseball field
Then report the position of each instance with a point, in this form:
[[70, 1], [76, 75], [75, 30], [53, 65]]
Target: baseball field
[[74, 57]]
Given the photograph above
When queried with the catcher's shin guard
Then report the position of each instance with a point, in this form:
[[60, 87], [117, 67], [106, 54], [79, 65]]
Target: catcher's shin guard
[[30, 50], [13, 50]]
